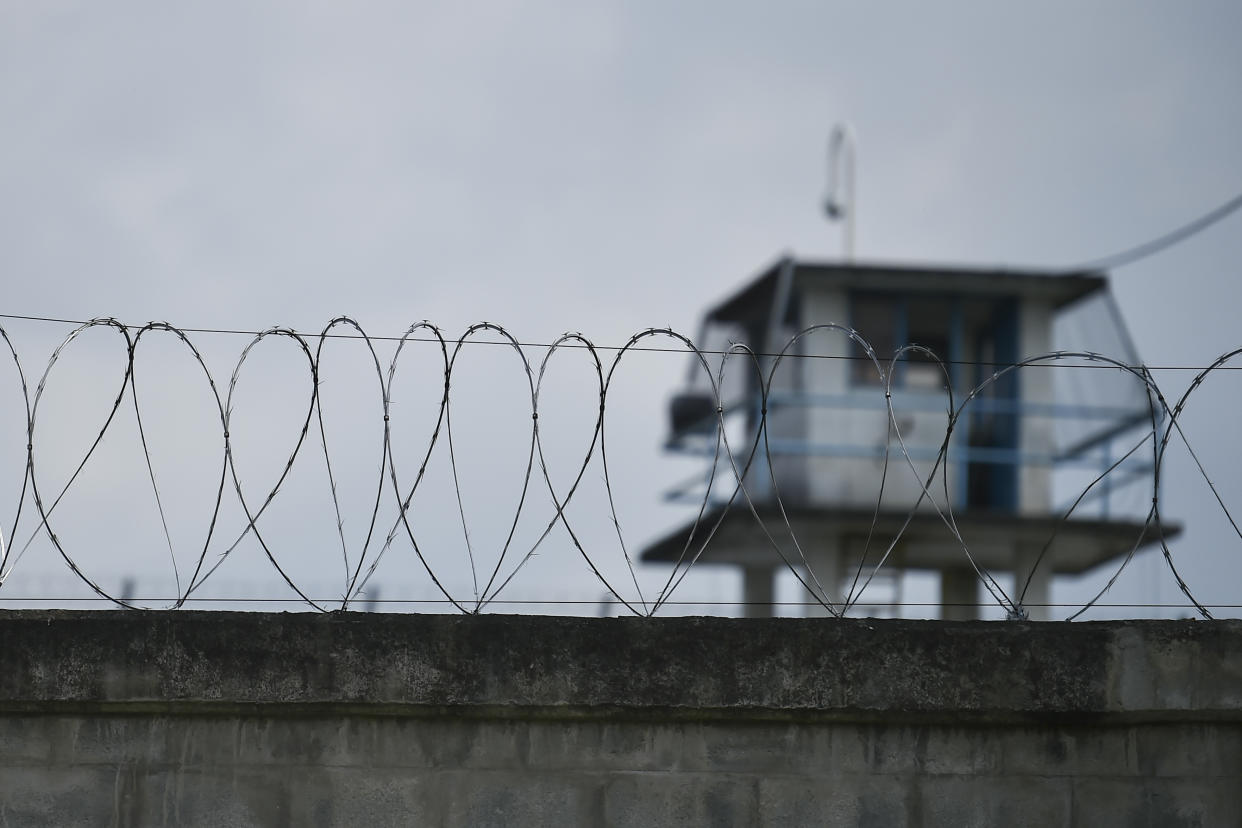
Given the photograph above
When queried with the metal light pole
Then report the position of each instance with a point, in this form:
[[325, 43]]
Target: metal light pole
[[841, 201]]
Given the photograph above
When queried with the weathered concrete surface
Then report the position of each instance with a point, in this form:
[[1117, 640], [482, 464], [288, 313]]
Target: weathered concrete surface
[[128, 718]]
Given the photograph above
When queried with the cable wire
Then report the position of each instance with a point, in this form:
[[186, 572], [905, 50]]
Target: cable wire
[[1164, 242]]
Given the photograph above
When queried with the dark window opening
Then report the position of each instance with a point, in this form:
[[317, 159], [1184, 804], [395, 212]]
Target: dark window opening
[[930, 325], [875, 317]]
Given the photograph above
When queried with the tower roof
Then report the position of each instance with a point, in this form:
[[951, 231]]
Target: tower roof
[[1060, 287]]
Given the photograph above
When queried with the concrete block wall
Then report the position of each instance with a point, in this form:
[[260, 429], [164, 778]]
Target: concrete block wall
[[358, 719]]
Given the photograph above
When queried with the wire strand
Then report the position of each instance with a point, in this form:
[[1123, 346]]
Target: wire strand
[[1051, 362]]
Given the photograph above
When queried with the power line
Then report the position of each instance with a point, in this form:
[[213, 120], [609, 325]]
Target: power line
[[1115, 260], [1110, 262], [1164, 242]]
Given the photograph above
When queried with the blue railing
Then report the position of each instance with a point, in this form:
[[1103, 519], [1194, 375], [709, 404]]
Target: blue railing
[[1094, 453]]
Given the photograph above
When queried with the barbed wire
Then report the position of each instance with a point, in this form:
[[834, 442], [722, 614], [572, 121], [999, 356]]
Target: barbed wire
[[740, 469]]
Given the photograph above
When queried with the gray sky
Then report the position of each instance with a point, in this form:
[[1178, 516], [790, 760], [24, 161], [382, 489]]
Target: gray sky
[[605, 167]]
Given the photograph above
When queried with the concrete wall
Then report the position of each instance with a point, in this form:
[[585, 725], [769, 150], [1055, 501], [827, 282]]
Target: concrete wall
[[125, 718]]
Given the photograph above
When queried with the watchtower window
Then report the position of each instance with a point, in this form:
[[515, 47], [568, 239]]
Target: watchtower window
[[930, 324], [876, 318], [889, 321]]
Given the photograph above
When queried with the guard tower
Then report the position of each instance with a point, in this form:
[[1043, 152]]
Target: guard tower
[[1020, 454]]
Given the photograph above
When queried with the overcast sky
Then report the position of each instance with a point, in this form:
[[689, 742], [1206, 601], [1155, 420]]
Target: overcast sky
[[604, 167]]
